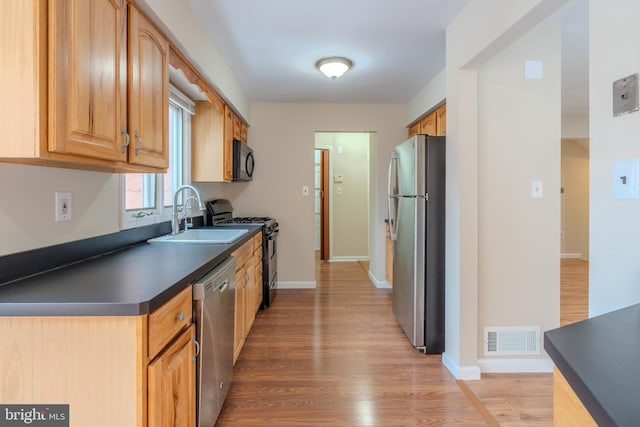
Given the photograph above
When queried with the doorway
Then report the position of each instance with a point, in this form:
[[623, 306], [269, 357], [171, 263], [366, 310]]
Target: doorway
[[322, 202], [342, 163]]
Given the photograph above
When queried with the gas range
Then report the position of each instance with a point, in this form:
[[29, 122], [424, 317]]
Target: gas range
[[219, 213]]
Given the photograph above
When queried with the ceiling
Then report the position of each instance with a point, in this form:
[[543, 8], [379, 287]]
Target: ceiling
[[397, 47], [272, 46]]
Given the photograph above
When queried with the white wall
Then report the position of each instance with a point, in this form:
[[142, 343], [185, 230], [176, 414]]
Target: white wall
[[282, 137], [27, 217], [428, 97], [518, 244], [481, 30], [614, 276]]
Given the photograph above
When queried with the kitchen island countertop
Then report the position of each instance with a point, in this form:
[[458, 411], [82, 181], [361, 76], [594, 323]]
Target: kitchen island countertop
[[599, 359], [129, 282]]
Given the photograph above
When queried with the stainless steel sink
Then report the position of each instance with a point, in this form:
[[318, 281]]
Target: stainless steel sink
[[218, 235]]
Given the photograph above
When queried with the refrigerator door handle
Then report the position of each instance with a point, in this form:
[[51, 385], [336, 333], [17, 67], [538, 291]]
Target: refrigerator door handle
[[393, 213]]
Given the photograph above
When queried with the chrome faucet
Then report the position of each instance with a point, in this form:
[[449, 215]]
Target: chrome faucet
[[175, 221]]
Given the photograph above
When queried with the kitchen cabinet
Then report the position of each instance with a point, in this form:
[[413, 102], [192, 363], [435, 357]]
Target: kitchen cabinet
[[441, 120], [434, 123], [86, 100], [172, 384], [104, 367], [148, 93], [568, 410], [248, 290], [414, 129], [428, 125], [211, 152]]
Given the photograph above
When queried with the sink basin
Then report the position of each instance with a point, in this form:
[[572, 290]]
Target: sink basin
[[223, 235]]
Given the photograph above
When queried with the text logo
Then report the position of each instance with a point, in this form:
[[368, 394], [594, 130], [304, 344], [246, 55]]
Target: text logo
[[34, 415]]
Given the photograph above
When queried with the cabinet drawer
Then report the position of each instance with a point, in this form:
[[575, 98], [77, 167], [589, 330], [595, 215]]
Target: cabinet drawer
[[168, 320], [242, 254]]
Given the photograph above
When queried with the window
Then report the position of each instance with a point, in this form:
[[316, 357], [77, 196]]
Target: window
[[147, 198]]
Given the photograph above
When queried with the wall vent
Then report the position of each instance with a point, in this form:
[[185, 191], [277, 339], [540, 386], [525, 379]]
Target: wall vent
[[511, 340]]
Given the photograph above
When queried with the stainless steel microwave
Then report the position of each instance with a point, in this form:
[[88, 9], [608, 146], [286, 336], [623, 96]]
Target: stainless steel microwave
[[243, 161]]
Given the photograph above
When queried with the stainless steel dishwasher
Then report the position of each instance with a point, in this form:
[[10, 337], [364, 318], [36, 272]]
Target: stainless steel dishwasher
[[214, 307]]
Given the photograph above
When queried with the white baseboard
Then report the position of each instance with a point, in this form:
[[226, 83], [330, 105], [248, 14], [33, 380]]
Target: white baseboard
[[460, 372], [571, 255], [516, 365], [297, 285], [379, 283], [348, 258]]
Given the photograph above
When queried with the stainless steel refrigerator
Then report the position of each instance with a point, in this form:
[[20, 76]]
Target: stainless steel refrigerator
[[417, 228]]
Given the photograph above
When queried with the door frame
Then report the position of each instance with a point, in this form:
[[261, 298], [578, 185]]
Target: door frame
[[324, 203]]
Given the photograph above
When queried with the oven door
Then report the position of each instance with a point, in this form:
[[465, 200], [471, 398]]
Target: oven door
[[243, 161]]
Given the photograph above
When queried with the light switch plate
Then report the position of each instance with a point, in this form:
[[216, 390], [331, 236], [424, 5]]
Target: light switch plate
[[63, 205], [536, 189], [532, 70], [625, 95], [625, 179]]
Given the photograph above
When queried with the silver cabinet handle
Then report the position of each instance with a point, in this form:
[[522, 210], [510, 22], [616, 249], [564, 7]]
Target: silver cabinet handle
[[136, 135], [197, 344], [123, 147], [142, 214], [180, 316]]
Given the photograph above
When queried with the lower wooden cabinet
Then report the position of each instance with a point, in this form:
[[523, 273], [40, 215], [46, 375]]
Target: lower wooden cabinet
[[101, 366], [248, 290], [568, 410], [171, 380]]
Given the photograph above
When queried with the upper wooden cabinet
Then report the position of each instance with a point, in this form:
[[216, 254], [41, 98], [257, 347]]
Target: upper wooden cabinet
[[441, 121], [87, 75], [434, 123], [210, 151], [148, 93], [82, 93], [428, 125]]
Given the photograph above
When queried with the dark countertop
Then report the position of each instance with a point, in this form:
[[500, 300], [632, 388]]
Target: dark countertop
[[599, 358], [129, 282]]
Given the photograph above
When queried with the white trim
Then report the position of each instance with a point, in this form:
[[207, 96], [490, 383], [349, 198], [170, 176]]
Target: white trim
[[380, 284], [181, 100], [576, 255], [460, 372], [348, 258], [516, 365], [297, 285]]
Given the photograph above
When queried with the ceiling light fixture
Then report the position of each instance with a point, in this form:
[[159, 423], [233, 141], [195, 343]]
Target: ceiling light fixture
[[334, 67]]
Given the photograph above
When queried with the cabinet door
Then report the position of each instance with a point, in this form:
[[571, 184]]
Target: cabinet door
[[171, 380], [207, 141], [441, 121], [87, 78], [428, 125], [148, 93], [238, 319], [415, 129]]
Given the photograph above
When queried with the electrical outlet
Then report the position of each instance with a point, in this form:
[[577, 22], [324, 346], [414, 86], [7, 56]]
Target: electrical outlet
[[63, 206]]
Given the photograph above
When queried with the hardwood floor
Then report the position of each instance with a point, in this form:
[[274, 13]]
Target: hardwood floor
[[574, 290], [335, 356]]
